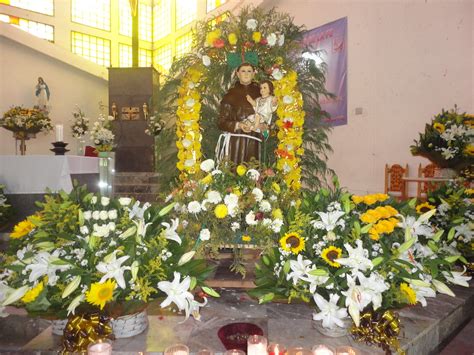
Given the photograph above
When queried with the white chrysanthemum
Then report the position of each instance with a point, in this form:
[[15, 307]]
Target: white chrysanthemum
[[104, 201], [265, 206], [214, 196], [271, 39], [251, 24], [87, 215], [253, 174], [287, 99], [235, 226], [190, 102], [125, 201], [250, 218], [277, 74], [207, 165], [194, 207], [103, 215], [96, 215], [205, 234], [258, 194], [231, 200], [276, 225], [113, 214]]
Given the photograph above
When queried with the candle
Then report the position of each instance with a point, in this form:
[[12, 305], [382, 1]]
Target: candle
[[299, 351], [100, 348], [276, 349], [345, 350], [234, 352], [322, 350], [59, 133], [256, 345], [177, 349]]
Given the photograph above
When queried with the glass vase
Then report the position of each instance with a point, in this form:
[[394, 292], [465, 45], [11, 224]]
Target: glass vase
[[106, 173], [81, 146], [335, 331]]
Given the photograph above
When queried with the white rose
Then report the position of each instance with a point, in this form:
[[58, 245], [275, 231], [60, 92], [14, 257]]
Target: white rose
[[113, 214], [207, 165], [252, 24], [214, 197], [250, 219], [95, 215], [265, 206], [103, 215], [231, 200], [258, 194], [111, 226], [94, 200], [87, 215], [104, 201], [205, 234], [206, 60], [253, 174], [84, 230], [125, 201], [276, 225], [271, 39]]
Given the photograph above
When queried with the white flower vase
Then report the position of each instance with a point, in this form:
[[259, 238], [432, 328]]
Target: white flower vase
[[334, 332], [122, 327]]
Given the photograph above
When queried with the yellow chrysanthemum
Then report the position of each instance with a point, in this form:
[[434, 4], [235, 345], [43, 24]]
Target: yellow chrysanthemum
[[256, 36], [246, 238], [469, 150], [276, 213], [207, 179], [408, 292], [439, 127], [221, 211], [276, 188], [424, 207], [232, 38], [33, 294], [330, 254], [370, 199], [100, 294], [22, 229], [292, 242], [373, 234], [357, 199], [241, 170]]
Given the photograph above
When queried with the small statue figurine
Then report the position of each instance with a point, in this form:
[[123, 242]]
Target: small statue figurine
[[264, 107], [42, 94], [114, 110], [145, 111]]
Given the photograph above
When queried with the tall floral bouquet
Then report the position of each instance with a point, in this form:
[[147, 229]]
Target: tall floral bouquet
[[28, 120], [5, 208], [223, 206], [448, 140], [349, 255], [80, 124], [83, 253], [155, 126], [102, 135]]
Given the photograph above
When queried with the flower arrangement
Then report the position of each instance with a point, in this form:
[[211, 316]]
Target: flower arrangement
[[80, 124], [5, 208], [155, 126], [353, 254], [448, 140], [84, 253], [28, 120], [221, 207], [101, 134]]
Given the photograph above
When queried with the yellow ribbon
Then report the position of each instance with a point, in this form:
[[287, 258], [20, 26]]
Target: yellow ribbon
[[82, 330], [381, 329]]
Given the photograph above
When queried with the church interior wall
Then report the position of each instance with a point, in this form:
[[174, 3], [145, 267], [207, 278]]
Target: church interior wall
[[406, 61]]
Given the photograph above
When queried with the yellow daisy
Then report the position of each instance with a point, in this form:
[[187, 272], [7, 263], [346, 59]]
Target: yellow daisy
[[22, 229], [100, 294], [241, 170], [357, 199], [408, 292], [221, 211], [330, 254], [424, 207], [33, 293], [439, 127], [292, 242]]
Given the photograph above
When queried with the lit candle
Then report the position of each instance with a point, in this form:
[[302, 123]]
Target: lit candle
[[100, 348], [322, 350], [59, 132], [177, 349], [256, 345], [345, 350], [276, 349], [234, 352]]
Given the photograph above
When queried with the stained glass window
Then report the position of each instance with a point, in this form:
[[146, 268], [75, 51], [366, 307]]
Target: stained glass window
[[41, 6], [125, 52], [214, 4], [186, 12], [94, 13], [183, 44], [93, 48], [161, 19], [163, 58]]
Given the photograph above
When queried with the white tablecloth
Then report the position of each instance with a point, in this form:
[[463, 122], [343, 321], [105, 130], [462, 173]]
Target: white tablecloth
[[29, 174]]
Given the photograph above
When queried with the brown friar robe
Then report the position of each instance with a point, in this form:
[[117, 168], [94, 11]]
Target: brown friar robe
[[235, 108]]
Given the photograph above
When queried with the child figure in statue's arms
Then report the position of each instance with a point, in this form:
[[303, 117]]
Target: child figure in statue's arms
[[264, 107]]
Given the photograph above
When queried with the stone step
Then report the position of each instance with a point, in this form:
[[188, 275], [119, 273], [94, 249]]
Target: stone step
[[136, 188], [136, 178]]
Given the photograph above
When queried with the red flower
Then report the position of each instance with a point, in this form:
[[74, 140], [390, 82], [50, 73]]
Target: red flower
[[287, 124], [263, 41], [259, 216], [248, 44], [269, 172], [218, 43], [284, 154]]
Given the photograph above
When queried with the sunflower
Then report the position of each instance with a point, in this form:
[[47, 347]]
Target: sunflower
[[439, 127], [22, 229], [330, 254], [33, 294], [424, 207], [408, 292], [292, 242], [100, 294]]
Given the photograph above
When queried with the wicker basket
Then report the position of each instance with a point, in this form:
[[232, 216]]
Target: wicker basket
[[123, 327]]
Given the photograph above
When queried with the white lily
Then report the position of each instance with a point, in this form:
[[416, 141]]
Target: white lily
[[177, 292], [186, 257], [170, 231], [3, 293], [457, 278], [357, 259], [299, 269], [43, 265], [141, 227], [356, 300], [71, 287], [465, 231], [329, 220], [331, 314], [113, 269], [193, 308], [442, 288], [13, 295], [138, 211], [373, 288], [418, 226], [74, 303], [422, 292]]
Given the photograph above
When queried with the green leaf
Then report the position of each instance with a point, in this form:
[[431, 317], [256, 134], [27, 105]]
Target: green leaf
[[451, 234], [438, 235], [318, 272], [377, 260], [412, 203], [266, 260], [366, 228], [286, 267], [166, 209], [407, 245], [210, 291], [266, 298], [193, 283], [433, 246], [451, 259]]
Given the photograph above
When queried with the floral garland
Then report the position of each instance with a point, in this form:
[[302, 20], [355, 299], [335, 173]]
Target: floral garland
[[290, 127], [187, 125]]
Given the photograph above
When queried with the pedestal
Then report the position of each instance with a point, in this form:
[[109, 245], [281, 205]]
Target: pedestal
[[23, 136], [59, 148]]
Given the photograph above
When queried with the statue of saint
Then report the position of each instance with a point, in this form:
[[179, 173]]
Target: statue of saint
[[42, 94], [241, 138]]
